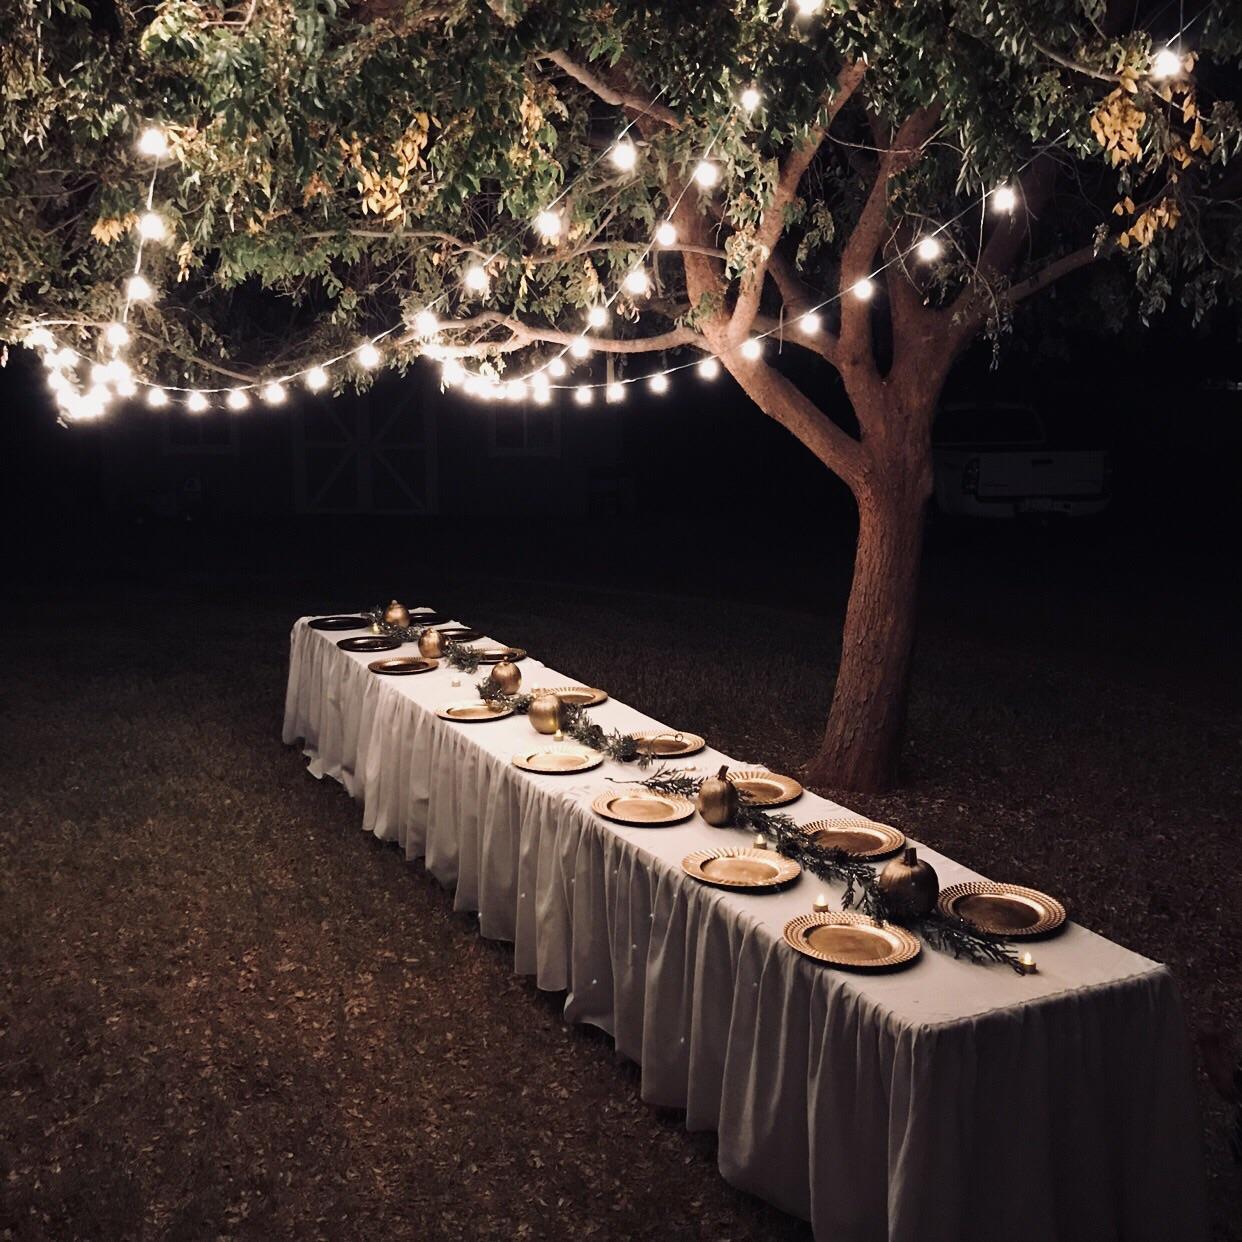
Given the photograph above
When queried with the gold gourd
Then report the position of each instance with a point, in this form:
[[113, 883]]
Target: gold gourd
[[431, 644], [546, 713], [718, 800], [909, 885], [397, 614], [507, 677]]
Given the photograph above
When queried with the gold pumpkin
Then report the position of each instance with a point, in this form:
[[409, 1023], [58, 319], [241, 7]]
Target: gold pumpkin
[[431, 644], [718, 799], [546, 713], [909, 885], [507, 677], [397, 614]]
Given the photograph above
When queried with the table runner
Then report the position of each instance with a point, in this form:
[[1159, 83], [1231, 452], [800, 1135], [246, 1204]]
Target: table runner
[[945, 1102]]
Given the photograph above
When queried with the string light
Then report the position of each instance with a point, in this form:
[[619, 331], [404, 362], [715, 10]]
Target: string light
[[557, 368], [116, 334], [237, 399], [597, 317], [1003, 198], [580, 347], [99, 373], [624, 155], [808, 8], [40, 338], [475, 279], [750, 99], [929, 249], [706, 174], [138, 289], [58, 381], [274, 393], [810, 323], [1166, 64], [666, 234], [151, 226], [196, 402], [425, 322], [708, 368], [368, 356], [157, 398], [452, 372], [658, 383], [153, 143], [583, 395], [125, 386], [752, 348], [65, 359], [548, 225], [316, 379], [542, 396], [636, 282], [864, 289], [614, 393]]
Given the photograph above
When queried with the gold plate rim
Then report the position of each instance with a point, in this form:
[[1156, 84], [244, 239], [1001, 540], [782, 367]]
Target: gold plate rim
[[598, 696], [403, 666], [494, 655], [443, 712], [893, 838], [684, 809], [909, 949], [1053, 917], [545, 750], [786, 868], [369, 644], [696, 743], [793, 788]]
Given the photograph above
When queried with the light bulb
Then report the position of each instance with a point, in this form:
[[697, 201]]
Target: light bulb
[[58, 381], [274, 393], [316, 379], [125, 386], [64, 358], [542, 396], [583, 395], [750, 99], [93, 404], [452, 372], [151, 226], [138, 289], [597, 317], [99, 373], [539, 382], [810, 323], [557, 367], [706, 174], [666, 234], [515, 390], [157, 398], [425, 322], [1003, 198], [40, 338], [752, 348], [475, 279], [808, 7], [614, 392], [116, 334], [1166, 63], [624, 155], [580, 347], [237, 399], [368, 356], [548, 225], [474, 386], [153, 143], [864, 289], [196, 402], [658, 383], [929, 249], [636, 282], [116, 372], [709, 368]]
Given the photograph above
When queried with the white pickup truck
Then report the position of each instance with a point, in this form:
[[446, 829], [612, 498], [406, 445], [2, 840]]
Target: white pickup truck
[[993, 460]]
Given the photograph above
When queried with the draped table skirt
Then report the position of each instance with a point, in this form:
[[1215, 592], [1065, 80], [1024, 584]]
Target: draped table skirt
[[945, 1103]]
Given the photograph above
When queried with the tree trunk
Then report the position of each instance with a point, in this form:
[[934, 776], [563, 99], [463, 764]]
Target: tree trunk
[[863, 739]]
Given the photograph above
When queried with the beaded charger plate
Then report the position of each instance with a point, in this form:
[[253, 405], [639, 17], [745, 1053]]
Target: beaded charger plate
[[580, 696], [668, 745], [558, 759], [1002, 909], [494, 655], [370, 642], [740, 868], [339, 623], [643, 808], [853, 940], [428, 616], [860, 838], [403, 666], [473, 711], [458, 634], [759, 787]]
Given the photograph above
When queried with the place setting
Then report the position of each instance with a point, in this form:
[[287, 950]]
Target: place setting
[[403, 666], [369, 642], [577, 696], [338, 623], [474, 711]]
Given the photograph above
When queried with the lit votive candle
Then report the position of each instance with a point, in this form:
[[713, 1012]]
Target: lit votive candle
[[761, 842], [558, 736], [821, 904], [1027, 962], [455, 682], [375, 628]]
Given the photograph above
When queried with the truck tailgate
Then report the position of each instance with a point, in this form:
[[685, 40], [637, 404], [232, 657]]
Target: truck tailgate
[[1041, 473]]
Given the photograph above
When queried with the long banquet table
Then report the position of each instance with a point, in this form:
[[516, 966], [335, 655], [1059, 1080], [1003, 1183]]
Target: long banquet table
[[948, 1101]]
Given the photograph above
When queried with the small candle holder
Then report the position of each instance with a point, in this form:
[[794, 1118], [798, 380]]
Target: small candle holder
[[455, 682], [761, 842], [822, 903], [1027, 962], [559, 735], [375, 628]]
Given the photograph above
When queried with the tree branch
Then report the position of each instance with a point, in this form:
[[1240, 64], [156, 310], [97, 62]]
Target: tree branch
[[1084, 256], [621, 98]]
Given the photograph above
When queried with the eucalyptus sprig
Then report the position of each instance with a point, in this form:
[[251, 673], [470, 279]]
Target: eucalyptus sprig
[[406, 633]]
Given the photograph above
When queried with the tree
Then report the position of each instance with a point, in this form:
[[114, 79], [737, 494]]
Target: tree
[[905, 177]]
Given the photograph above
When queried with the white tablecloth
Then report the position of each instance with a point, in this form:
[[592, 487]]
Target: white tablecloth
[[945, 1102]]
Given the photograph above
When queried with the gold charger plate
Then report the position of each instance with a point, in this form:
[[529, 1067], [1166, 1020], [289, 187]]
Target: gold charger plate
[[473, 711], [458, 634], [400, 666], [759, 787], [853, 940], [369, 642], [494, 655], [643, 808], [580, 696], [860, 838], [741, 868], [666, 744], [558, 759], [1007, 910]]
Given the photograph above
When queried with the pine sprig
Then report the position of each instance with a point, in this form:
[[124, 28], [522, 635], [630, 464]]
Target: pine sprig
[[460, 656], [674, 782], [406, 633], [958, 937]]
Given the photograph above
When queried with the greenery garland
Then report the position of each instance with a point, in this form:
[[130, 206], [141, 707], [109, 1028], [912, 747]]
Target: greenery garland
[[456, 655], [575, 723], [949, 935]]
